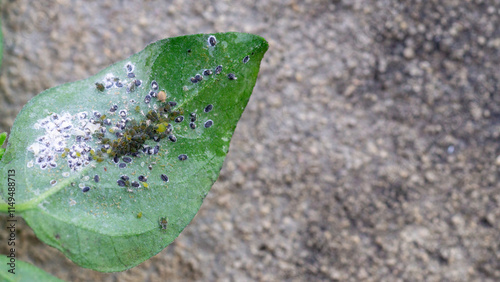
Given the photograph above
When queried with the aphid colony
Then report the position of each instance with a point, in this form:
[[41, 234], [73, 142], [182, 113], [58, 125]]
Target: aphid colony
[[58, 129], [129, 136]]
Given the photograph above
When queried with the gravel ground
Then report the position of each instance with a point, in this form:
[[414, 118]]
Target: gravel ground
[[368, 151]]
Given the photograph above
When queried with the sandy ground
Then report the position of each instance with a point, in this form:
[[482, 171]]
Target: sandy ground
[[369, 149]]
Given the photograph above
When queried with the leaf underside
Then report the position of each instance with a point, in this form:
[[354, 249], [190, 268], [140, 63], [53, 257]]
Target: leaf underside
[[98, 174]]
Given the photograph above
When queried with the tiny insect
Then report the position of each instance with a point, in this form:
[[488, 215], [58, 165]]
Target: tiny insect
[[246, 59], [212, 40], [208, 123], [164, 177], [99, 86], [162, 96], [154, 85], [207, 72], [218, 69], [231, 76], [163, 223], [208, 108]]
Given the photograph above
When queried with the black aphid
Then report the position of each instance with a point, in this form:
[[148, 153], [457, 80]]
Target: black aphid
[[193, 117], [198, 77], [164, 177], [142, 178], [119, 84], [154, 85], [116, 159], [172, 138], [182, 157], [153, 94], [123, 113], [150, 167], [113, 108], [96, 178], [135, 184], [208, 123], [123, 165], [107, 121], [192, 125], [179, 119], [129, 67], [127, 159], [208, 108], [207, 72], [194, 80], [147, 99], [246, 59], [124, 177], [212, 41], [131, 75], [231, 76], [218, 69], [156, 150], [137, 82], [85, 189], [120, 182], [172, 103]]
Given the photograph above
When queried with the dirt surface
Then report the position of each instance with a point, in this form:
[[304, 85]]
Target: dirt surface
[[368, 151]]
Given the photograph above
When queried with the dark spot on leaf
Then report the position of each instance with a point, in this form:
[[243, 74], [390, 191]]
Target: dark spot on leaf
[[96, 178], [212, 41], [154, 85], [218, 69], [208, 108], [208, 123], [164, 177]]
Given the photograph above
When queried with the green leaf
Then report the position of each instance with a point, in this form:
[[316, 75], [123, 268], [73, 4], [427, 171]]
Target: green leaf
[[3, 136], [112, 227], [22, 272]]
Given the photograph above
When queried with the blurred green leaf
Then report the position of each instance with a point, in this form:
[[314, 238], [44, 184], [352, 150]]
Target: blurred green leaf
[[23, 272]]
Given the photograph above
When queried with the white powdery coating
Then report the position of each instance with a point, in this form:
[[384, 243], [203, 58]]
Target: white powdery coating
[[53, 141], [59, 129]]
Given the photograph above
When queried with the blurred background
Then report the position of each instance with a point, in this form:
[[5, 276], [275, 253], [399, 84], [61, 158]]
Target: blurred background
[[368, 151]]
